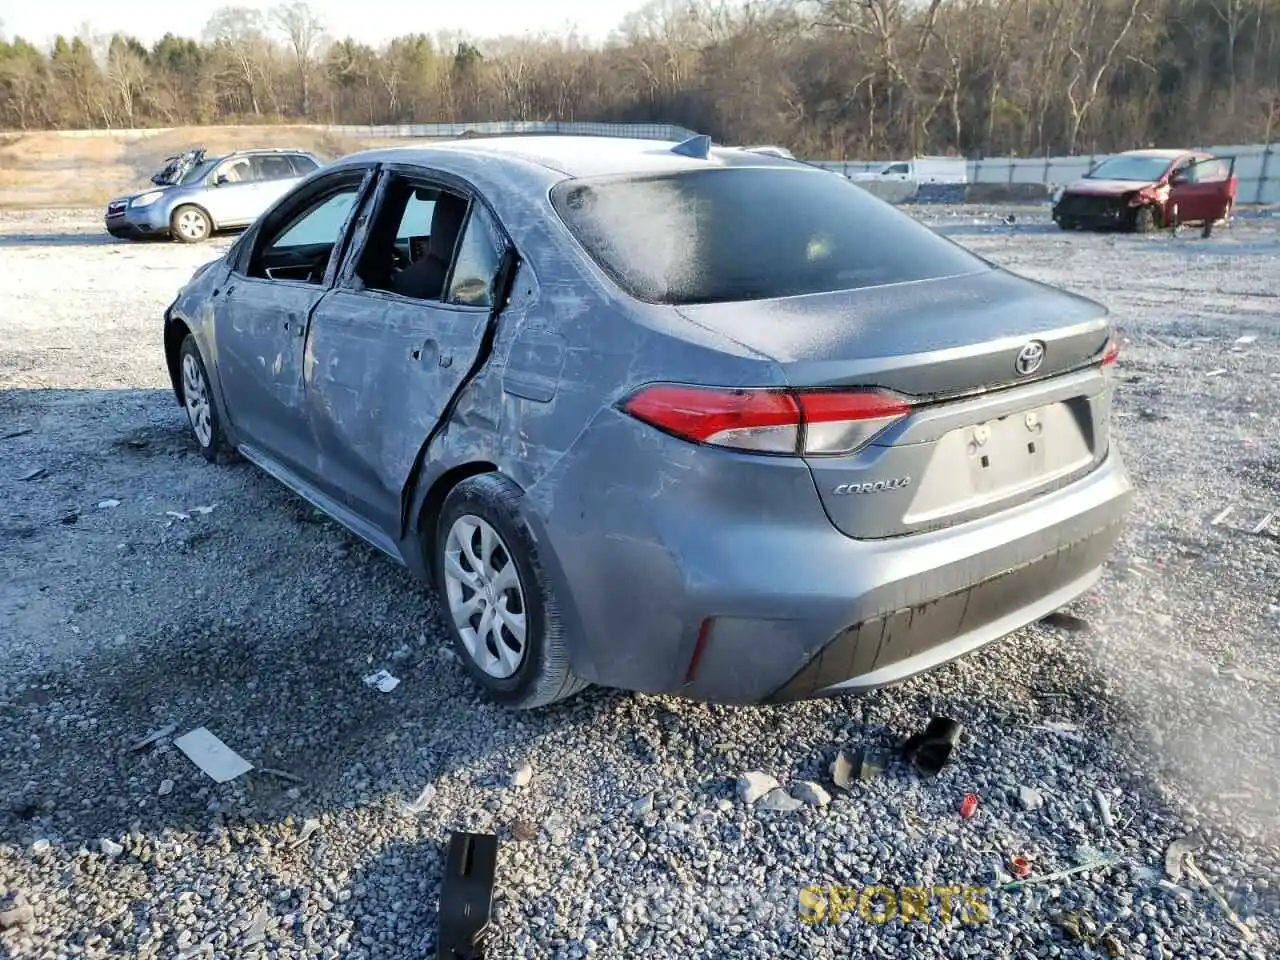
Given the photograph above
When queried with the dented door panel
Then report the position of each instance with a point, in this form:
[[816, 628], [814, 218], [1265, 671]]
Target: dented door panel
[[379, 371], [260, 327]]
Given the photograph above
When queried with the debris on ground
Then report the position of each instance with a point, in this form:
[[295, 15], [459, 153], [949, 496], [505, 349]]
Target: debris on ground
[[1178, 851], [1090, 867], [1198, 875], [1029, 798], [110, 848], [930, 750], [218, 761], [1019, 866], [779, 801], [1067, 621], [523, 830], [1104, 809], [165, 788], [108, 504], [34, 473], [309, 827], [154, 737], [466, 896], [754, 785], [423, 801], [811, 793], [842, 771], [281, 774], [969, 805], [1060, 727], [16, 433], [521, 776], [382, 681]]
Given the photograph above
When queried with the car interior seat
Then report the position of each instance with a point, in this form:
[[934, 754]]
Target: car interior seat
[[424, 279]]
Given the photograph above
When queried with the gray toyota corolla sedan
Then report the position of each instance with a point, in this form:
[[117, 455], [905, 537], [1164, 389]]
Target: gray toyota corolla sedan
[[671, 419]]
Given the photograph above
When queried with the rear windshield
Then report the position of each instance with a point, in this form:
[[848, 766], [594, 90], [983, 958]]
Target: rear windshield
[[738, 233]]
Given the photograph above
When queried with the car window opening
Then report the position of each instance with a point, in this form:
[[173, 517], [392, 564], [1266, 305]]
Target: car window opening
[[418, 235], [300, 248]]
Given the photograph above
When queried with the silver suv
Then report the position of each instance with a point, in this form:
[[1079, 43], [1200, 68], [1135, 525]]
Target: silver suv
[[195, 195]]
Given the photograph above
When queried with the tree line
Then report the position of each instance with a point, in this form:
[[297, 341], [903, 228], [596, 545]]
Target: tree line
[[826, 78]]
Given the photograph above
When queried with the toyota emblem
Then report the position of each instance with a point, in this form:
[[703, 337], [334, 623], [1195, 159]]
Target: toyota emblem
[[1029, 358]]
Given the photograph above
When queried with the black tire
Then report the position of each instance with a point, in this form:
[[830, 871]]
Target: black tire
[[201, 226], [1144, 220], [1066, 225], [214, 441], [543, 675]]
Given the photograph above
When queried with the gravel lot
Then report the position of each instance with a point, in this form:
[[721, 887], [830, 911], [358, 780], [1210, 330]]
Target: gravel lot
[[258, 620]]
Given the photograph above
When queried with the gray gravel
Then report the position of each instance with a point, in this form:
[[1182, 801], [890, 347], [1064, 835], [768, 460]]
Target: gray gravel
[[259, 620]]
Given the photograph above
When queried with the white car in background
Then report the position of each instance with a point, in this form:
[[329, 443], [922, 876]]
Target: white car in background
[[921, 170]]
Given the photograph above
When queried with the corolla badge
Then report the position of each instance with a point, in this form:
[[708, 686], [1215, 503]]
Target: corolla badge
[[1029, 358], [872, 486]]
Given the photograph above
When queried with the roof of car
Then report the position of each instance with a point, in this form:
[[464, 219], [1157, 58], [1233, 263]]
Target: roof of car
[[1158, 154], [575, 156]]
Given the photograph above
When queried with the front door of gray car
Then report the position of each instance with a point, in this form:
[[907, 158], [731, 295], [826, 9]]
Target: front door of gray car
[[262, 313], [394, 342], [234, 197]]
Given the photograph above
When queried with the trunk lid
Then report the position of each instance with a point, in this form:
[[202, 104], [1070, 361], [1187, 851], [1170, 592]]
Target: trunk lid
[[983, 434]]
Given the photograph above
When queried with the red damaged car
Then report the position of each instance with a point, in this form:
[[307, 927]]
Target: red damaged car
[[1146, 190]]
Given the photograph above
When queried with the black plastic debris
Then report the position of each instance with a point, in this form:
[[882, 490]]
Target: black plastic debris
[[466, 896], [930, 750], [1066, 621]]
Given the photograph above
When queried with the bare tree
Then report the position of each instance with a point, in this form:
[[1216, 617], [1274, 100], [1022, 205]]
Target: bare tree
[[305, 34]]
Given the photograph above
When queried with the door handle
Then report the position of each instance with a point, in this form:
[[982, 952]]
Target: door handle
[[429, 352], [294, 324]]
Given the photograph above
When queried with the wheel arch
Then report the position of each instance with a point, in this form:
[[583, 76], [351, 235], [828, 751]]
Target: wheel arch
[[175, 332], [428, 512]]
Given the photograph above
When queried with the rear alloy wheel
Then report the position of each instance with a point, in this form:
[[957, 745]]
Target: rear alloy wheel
[[190, 224], [1144, 219], [197, 399], [501, 610]]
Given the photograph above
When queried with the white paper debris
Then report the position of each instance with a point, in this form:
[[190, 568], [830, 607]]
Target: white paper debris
[[308, 828], [211, 755], [1216, 373], [418, 806], [177, 515], [1247, 338], [203, 511], [382, 681], [108, 504]]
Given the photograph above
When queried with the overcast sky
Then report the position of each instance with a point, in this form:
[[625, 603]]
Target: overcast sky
[[371, 21]]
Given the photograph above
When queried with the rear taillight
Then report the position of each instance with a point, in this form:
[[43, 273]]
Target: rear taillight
[[796, 422], [1111, 353]]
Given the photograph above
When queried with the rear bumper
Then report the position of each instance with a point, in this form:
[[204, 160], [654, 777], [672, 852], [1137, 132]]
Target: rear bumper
[[891, 648], [792, 608]]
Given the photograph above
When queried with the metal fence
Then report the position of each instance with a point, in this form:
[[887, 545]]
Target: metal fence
[[648, 131]]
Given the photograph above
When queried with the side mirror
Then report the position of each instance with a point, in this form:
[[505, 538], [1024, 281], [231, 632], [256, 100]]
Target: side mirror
[[1177, 178], [220, 179]]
